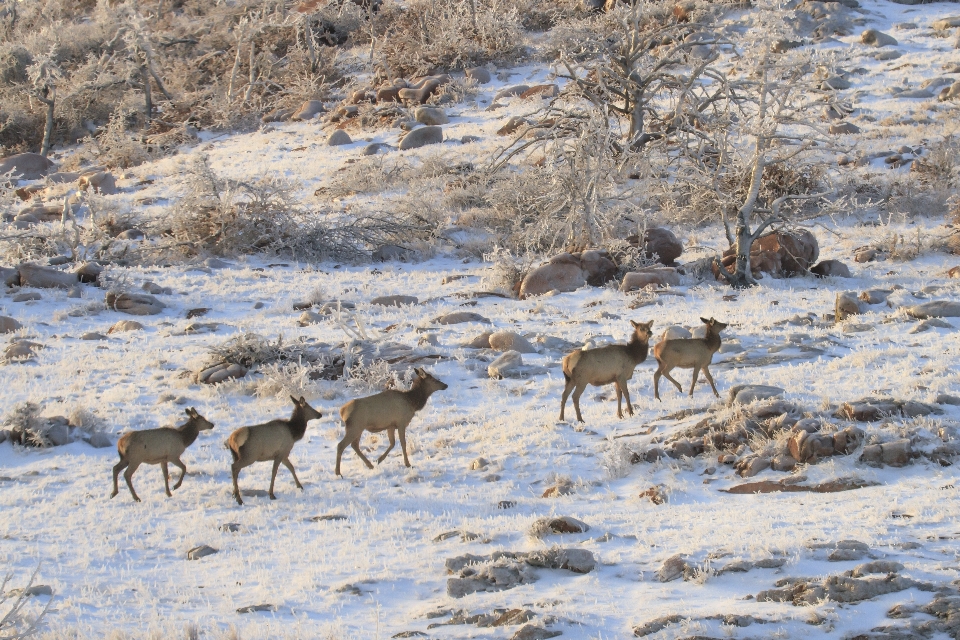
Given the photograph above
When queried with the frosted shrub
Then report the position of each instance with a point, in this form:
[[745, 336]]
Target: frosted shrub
[[617, 460]]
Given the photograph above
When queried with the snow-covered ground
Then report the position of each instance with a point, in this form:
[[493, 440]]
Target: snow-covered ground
[[119, 569]]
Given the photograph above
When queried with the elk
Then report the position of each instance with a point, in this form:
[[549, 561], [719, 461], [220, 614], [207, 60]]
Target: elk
[[389, 410], [270, 441], [688, 353], [612, 363], [157, 446]]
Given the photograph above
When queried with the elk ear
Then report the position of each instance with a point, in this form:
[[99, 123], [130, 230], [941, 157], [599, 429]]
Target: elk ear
[[705, 321], [189, 411], [420, 372], [295, 401], [303, 400], [635, 324], [650, 325]]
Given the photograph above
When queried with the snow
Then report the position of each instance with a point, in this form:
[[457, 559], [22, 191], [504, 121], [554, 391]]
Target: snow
[[119, 568]]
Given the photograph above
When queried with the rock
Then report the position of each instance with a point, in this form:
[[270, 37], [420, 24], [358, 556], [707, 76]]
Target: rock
[[480, 74], [783, 463], [532, 632], [430, 116], [482, 341], [656, 625], [751, 466], [135, 304], [896, 453], [947, 398], [656, 494], [511, 126], [505, 365], [93, 335], [563, 273], [9, 276], [783, 45], [846, 304], [652, 276], [392, 252], [459, 317], [479, 464], [339, 138], [308, 110], [421, 137], [575, 560], [26, 166], [746, 393], [798, 250], [32, 275], [280, 114], [100, 440], [875, 296], [509, 341], [662, 243], [598, 267], [89, 272], [9, 325], [102, 182], [949, 93], [253, 608], [27, 297], [673, 568], [59, 434], [675, 332], [541, 91], [888, 54], [221, 372], [559, 489], [874, 38], [835, 83], [200, 552], [566, 524], [844, 128], [945, 23], [847, 441], [509, 92], [877, 566], [809, 447], [834, 268], [155, 289], [935, 309], [309, 317], [395, 301], [855, 327]]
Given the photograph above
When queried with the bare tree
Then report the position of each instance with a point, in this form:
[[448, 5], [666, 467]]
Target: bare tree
[[763, 126], [653, 66], [44, 75]]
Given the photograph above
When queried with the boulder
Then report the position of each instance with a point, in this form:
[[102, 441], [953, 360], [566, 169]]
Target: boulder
[[950, 92], [395, 301], [308, 110], [100, 440], [564, 524], [135, 304], [673, 568], [935, 309], [221, 372], [102, 182], [847, 441], [26, 166], [339, 138], [575, 560], [798, 251], [89, 272], [751, 466], [945, 23], [419, 95], [563, 273], [653, 276], [21, 350], [541, 91], [125, 325], [392, 252], [598, 267], [512, 124], [480, 74], [675, 332], [746, 393], [421, 137], [431, 116], [8, 324], [509, 341], [32, 275], [810, 447], [459, 317], [506, 364], [280, 114], [389, 94], [874, 38], [10, 276], [200, 552], [894, 454], [482, 341], [509, 92], [846, 304], [844, 128], [662, 243], [835, 268], [875, 296]]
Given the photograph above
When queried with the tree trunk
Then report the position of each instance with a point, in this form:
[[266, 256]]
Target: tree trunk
[[48, 127], [147, 94], [742, 276]]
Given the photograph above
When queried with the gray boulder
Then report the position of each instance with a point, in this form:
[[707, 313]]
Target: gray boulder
[[308, 110], [431, 116], [26, 166], [421, 137], [339, 138], [135, 304], [935, 309], [33, 275], [746, 393], [874, 38], [480, 74]]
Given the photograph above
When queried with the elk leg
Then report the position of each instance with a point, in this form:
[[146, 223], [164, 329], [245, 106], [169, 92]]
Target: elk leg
[[403, 446], [128, 476], [391, 433], [177, 462], [289, 465], [616, 385], [166, 477], [235, 470], [273, 477], [566, 393], [340, 447], [706, 372], [356, 447], [696, 374], [666, 374], [117, 468], [656, 382], [576, 400], [626, 396]]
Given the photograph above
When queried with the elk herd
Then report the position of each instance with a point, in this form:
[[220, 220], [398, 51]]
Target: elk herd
[[392, 410]]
